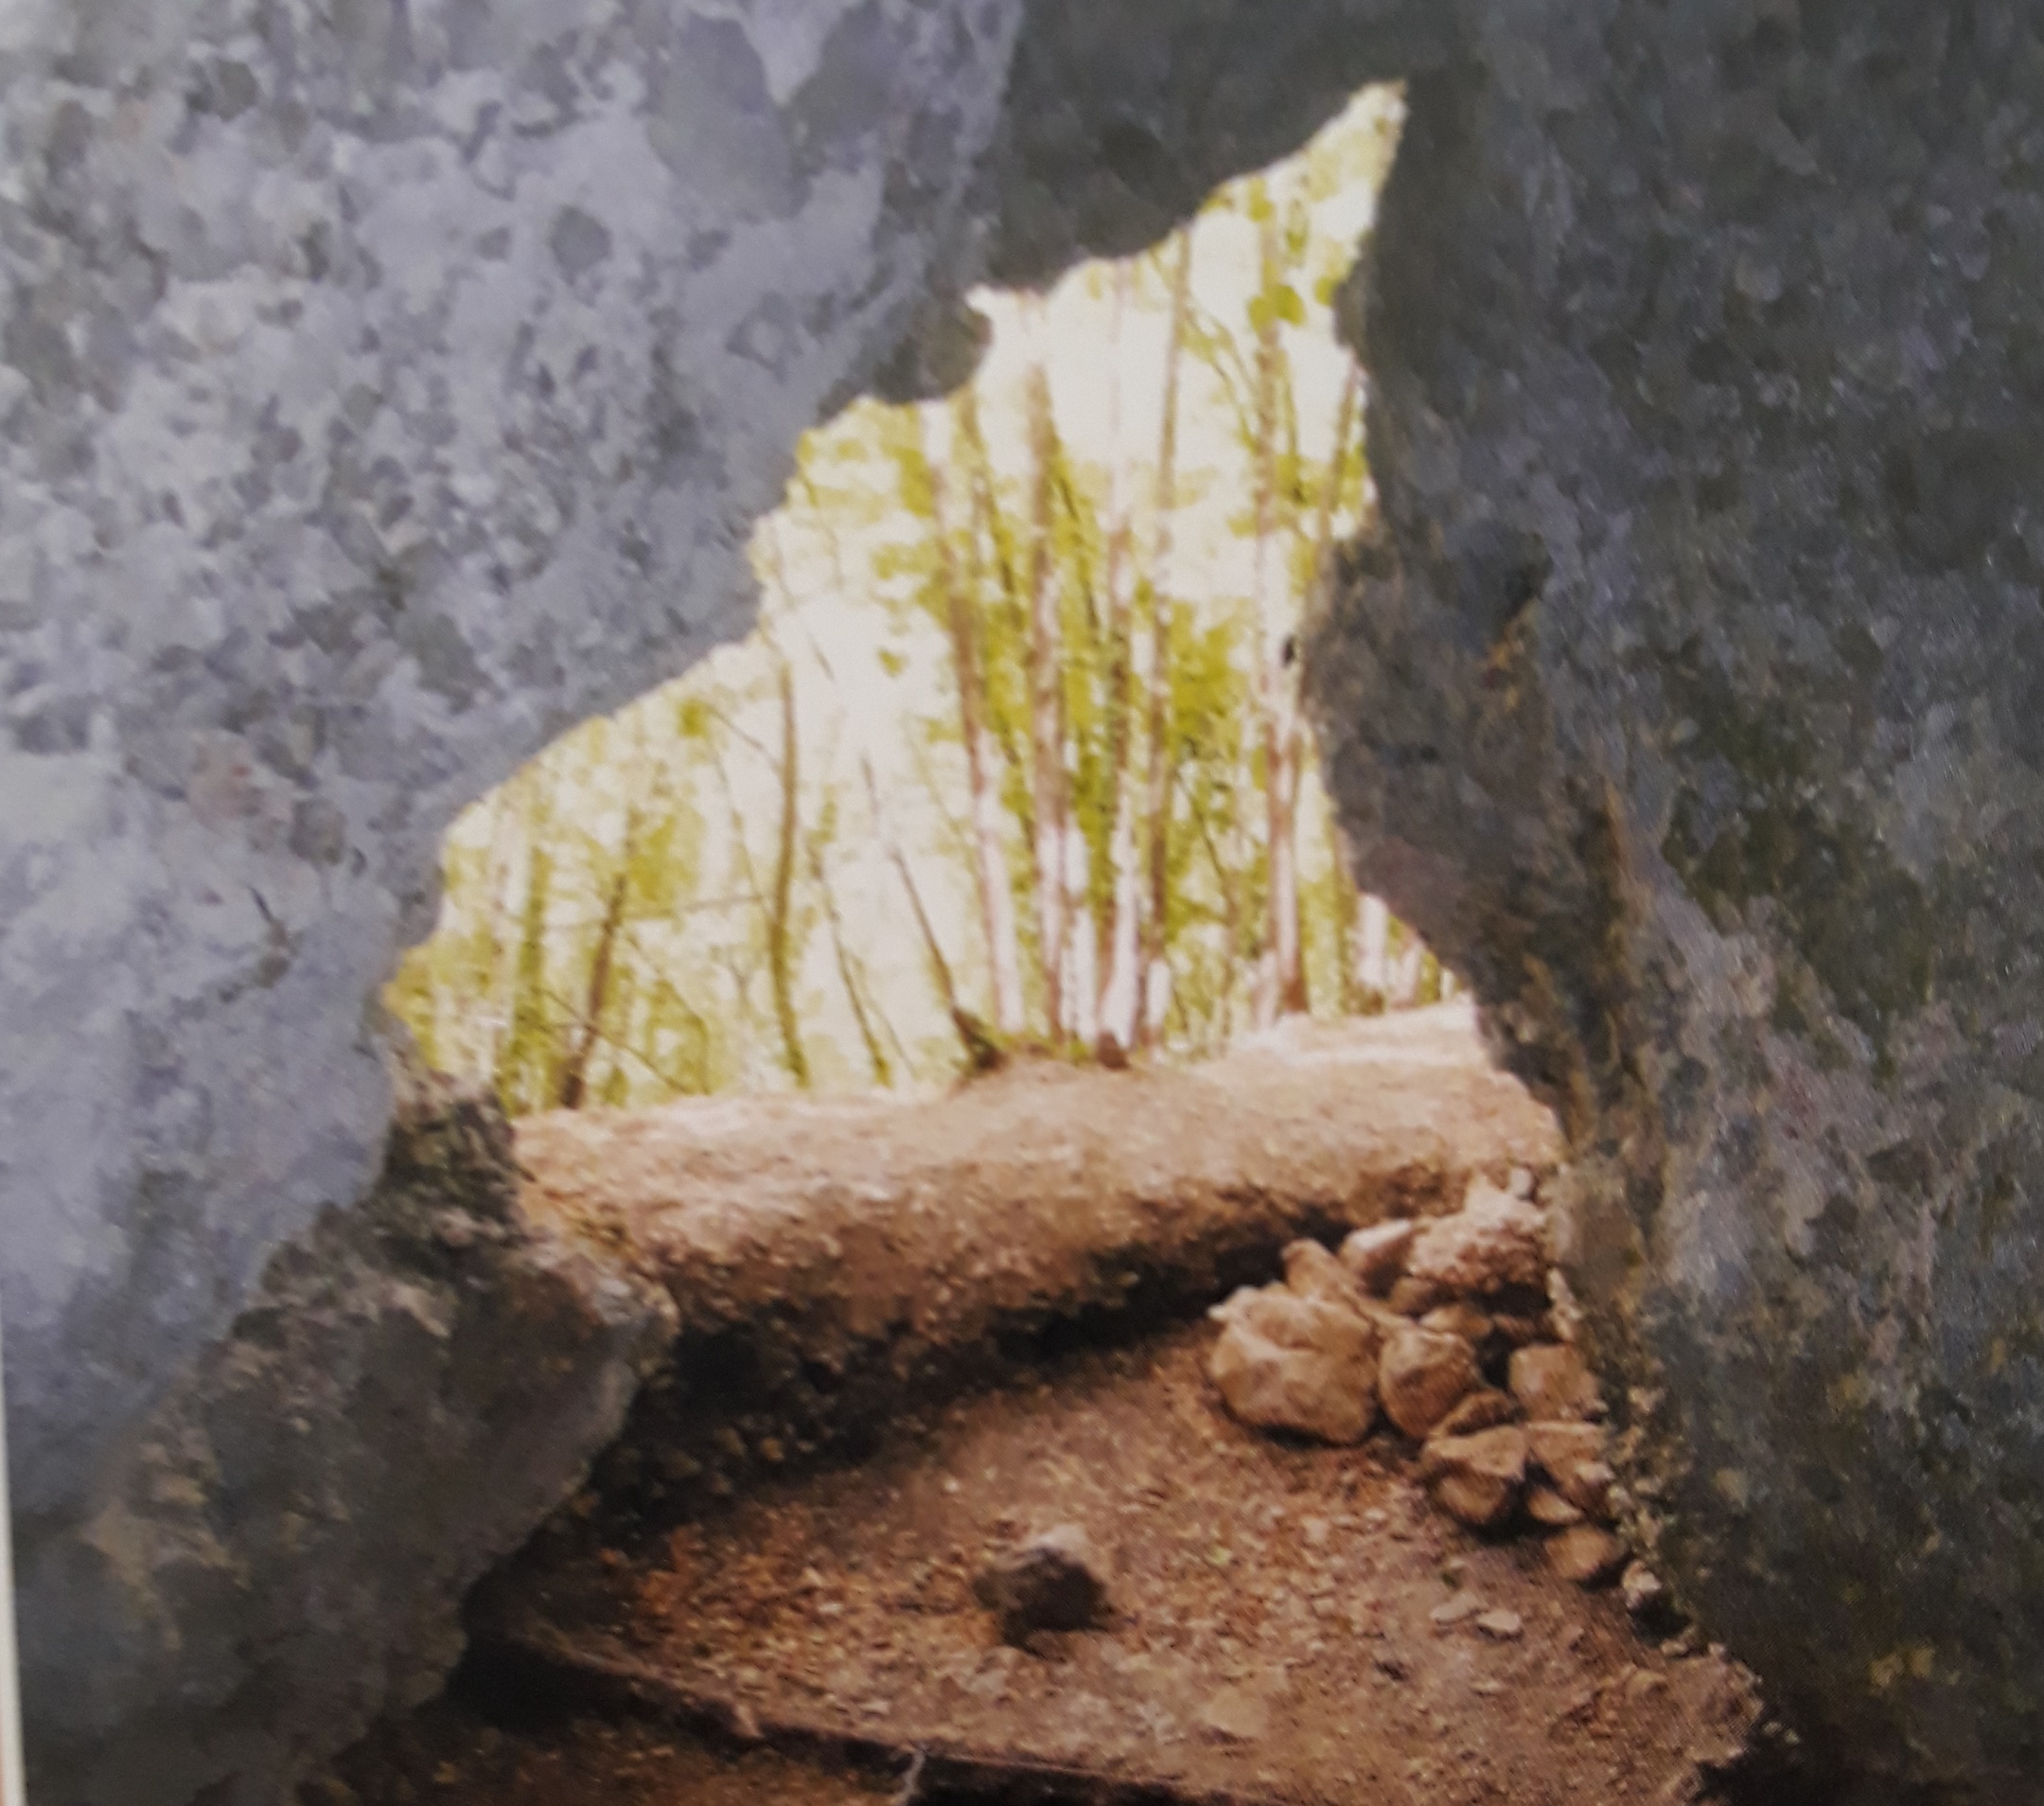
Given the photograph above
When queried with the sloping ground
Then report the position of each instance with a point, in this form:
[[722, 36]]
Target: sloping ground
[[727, 1614], [828, 1256], [1273, 1634]]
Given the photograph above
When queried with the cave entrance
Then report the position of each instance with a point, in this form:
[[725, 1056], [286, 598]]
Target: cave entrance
[[947, 1490], [1015, 758]]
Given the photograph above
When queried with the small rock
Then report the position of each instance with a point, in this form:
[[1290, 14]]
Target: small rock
[[1585, 1554], [1235, 1715], [1588, 1487], [1560, 1448], [1310, 1271], [1494, 1241], [1290, 1363], [1413, 1296], [1554, 1383], [1484, 1408], [1476, 1478], [1050, 1582], [1423, 1375], [1502, 1625], [1460, 1319], [1376, 1256], [1515, 1329], [1519, 1182], [1548, 1507], [1644, 1591], [1463, 1607]]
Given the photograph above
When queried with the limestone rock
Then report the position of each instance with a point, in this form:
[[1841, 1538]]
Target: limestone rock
[[1410, 1297], [1376, 1256], [1552, 1383], [1459, 1609], [1645, 1592], [1421, 1375], [1312, 1272], [1050, 1582], [1290, 1363], [1550, 1509], [1484, 1408], [1585, 1554], [1494, 1241], [1571, 1454], [1461, 1318], [398, 1409], [1502, 1625], [1476, 1478], [1588, 1487]]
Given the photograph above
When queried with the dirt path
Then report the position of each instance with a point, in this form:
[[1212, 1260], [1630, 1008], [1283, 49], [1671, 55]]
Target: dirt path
[[728, 1615], [1273, 1631]]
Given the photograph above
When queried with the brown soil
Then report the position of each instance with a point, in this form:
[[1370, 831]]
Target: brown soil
[[722, 1619], [830, 1257]]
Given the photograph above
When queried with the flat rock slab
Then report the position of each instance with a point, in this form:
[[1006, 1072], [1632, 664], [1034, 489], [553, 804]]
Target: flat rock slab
[[1286, 1594]]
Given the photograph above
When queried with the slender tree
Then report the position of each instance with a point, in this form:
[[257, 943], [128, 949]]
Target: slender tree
[[1153, 978]]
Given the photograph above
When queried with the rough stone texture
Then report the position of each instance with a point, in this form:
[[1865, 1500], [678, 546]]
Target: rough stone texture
[[1692, 700], [1476, 1478], [1284, 1362], [1423, 1375], [407, 1391], [386, 387]]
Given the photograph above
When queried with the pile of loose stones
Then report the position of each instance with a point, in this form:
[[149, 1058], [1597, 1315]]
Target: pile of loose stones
[[1456, 1331]]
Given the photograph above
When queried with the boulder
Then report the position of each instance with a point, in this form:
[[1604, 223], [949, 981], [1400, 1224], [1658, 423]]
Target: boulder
[[1753, 893], [1289, 1363], [1493, 1242], [1421, 1377], [1476, 1479]]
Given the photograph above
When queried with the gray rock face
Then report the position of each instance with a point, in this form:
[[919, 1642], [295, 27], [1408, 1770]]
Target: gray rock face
[[1691, 701], [383, 388], [412, 1387], [387, 386]]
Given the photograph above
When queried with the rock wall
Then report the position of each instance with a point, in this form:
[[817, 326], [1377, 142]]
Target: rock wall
[[1690, 697], [387, 385], [412, 1386]]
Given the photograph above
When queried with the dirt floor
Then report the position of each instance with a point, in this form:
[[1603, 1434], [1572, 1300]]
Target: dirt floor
[[1287, 1622]]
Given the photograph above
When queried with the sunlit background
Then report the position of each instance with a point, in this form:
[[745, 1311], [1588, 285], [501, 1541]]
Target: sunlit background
[[1015, 756]]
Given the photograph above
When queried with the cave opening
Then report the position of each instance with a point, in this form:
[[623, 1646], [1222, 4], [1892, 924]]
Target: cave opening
[[952, 995], [1016, 756]]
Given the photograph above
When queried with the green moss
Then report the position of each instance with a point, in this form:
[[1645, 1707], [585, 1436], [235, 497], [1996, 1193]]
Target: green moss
[[1864, 927]]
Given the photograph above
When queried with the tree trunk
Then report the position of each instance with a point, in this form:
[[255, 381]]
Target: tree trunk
[[1282, 991], [1119, 998], [1154, 975], [990, 863], [781, 902], [1047, 694], [849, 976], [596, 998]]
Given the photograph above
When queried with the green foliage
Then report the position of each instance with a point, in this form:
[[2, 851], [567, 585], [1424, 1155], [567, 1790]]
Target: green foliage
[[703, 892]]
